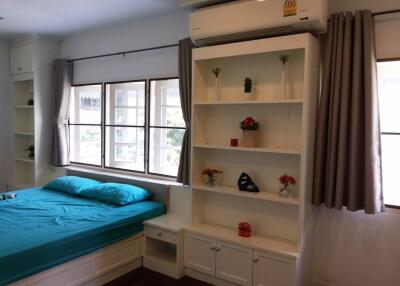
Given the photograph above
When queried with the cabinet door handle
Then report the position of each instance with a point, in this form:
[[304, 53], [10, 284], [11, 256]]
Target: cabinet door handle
[[255, 260], [213, 248], [19, 68], [217, 249], [159, 234]]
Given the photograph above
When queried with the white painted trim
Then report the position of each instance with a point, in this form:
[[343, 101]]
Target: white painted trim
[[96, 268]]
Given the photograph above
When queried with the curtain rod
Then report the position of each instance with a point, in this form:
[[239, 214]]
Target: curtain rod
[[386, 12], [123, 53]]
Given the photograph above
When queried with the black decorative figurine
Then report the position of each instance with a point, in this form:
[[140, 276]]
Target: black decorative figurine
[[246, 184]]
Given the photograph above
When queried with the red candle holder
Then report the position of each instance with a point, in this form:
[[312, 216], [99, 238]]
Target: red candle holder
[[244, 229], [234, 142]]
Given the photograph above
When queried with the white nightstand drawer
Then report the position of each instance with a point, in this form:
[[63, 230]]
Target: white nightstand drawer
[[160, 234]]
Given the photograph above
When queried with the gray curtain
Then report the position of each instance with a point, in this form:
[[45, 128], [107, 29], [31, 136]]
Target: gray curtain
[[348, 156], [62, 81], [185, 88]]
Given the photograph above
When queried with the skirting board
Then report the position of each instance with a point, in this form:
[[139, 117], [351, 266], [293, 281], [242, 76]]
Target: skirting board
[[207, 278], [319, 283], [96, 268]]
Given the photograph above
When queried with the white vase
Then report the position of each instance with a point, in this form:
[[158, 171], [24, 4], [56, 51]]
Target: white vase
[[217, 90], [250, 138], [284, 82]]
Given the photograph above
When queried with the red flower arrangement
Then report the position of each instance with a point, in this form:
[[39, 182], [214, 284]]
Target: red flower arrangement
[[287, 180], [210, 172], [249, 124]]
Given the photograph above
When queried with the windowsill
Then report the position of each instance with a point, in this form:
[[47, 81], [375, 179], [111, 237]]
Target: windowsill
[[392, 209], [124, 175]]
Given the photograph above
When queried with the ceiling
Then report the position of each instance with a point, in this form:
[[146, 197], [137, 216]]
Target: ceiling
[[61, 17]]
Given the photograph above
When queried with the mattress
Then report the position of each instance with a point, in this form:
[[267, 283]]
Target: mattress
[[43, 228]]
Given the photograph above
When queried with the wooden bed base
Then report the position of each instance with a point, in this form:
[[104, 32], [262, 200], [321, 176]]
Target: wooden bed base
[[96, 268]]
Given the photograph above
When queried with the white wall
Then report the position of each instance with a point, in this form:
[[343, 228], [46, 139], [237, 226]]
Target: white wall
[[5, 113], [129, 36], [354, 248]]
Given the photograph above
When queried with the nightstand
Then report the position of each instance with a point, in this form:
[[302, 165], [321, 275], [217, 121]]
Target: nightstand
[[164, 245]]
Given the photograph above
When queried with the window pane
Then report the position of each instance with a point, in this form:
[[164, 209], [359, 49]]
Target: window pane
[[125, 148], [389, 95], [85, 104], [165, 103], [165, 150], [125, 103], [85, 144], [391, 168]]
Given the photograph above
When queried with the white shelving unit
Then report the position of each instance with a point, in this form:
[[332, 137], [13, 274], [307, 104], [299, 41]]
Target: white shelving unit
[[31, 73], [287, 123]]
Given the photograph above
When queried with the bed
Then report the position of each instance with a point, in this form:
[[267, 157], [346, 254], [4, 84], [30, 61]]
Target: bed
[[42, 228]]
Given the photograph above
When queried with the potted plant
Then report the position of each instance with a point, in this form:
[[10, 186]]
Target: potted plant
[[249, 130], [31, 150], [284, 59], [217, 92], [248, 86], [211, 176], [286, 180]]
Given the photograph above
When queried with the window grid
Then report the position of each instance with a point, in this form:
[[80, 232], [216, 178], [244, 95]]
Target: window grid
[[91, 124], [389, 133], [146, 127]]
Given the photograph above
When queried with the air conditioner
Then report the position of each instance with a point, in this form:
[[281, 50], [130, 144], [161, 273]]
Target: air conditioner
[[255, 18]]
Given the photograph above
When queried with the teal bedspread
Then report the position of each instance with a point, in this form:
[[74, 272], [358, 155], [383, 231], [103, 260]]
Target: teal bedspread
[[44, 228]]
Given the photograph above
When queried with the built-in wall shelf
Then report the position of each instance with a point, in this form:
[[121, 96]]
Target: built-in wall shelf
[[26, 160], [24, 133], [265, 196], [29, 107], [250, 102], [258, 242], [246, 149]]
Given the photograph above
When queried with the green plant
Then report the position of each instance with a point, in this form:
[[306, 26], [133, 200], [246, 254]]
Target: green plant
[[216, 71], [284, 58], [247, 85]]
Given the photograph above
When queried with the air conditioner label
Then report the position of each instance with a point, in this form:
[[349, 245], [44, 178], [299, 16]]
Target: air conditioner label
[[289, 8]]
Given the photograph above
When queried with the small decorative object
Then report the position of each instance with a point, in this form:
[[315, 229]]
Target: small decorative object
[[216, 72], [7, 196], [234, 142], [244, 229], [286, 181], [30, 101], [246, 184], [284, 59], [31, 150], [211, 176], [248, 86], [250, 134]]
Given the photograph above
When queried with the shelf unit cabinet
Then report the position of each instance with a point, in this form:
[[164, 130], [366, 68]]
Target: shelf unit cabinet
[[285, 146], [31, 74]]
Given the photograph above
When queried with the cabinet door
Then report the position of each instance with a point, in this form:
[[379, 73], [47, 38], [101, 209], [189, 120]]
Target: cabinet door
[[234, 263], [22, 59], [273, 270], [199, 253]]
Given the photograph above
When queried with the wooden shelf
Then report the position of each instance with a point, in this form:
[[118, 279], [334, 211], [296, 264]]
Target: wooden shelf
[[24, 133], [246, 102], [27, 160], [24, 107], [246, 149], [259, 242], [264, 196]]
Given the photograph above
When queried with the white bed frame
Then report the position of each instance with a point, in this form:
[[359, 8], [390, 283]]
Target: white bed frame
[[105, 264]]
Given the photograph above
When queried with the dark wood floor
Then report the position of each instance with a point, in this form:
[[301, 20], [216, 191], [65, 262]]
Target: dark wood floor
[[145, 277]]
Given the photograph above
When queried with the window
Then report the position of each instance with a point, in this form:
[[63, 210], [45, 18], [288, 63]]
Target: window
[[85, 124], [133, 126], [389, 104], [166, 127]]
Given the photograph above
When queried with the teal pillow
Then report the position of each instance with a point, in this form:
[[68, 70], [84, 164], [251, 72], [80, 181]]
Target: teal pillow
[[118, 194], [71, 184]]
